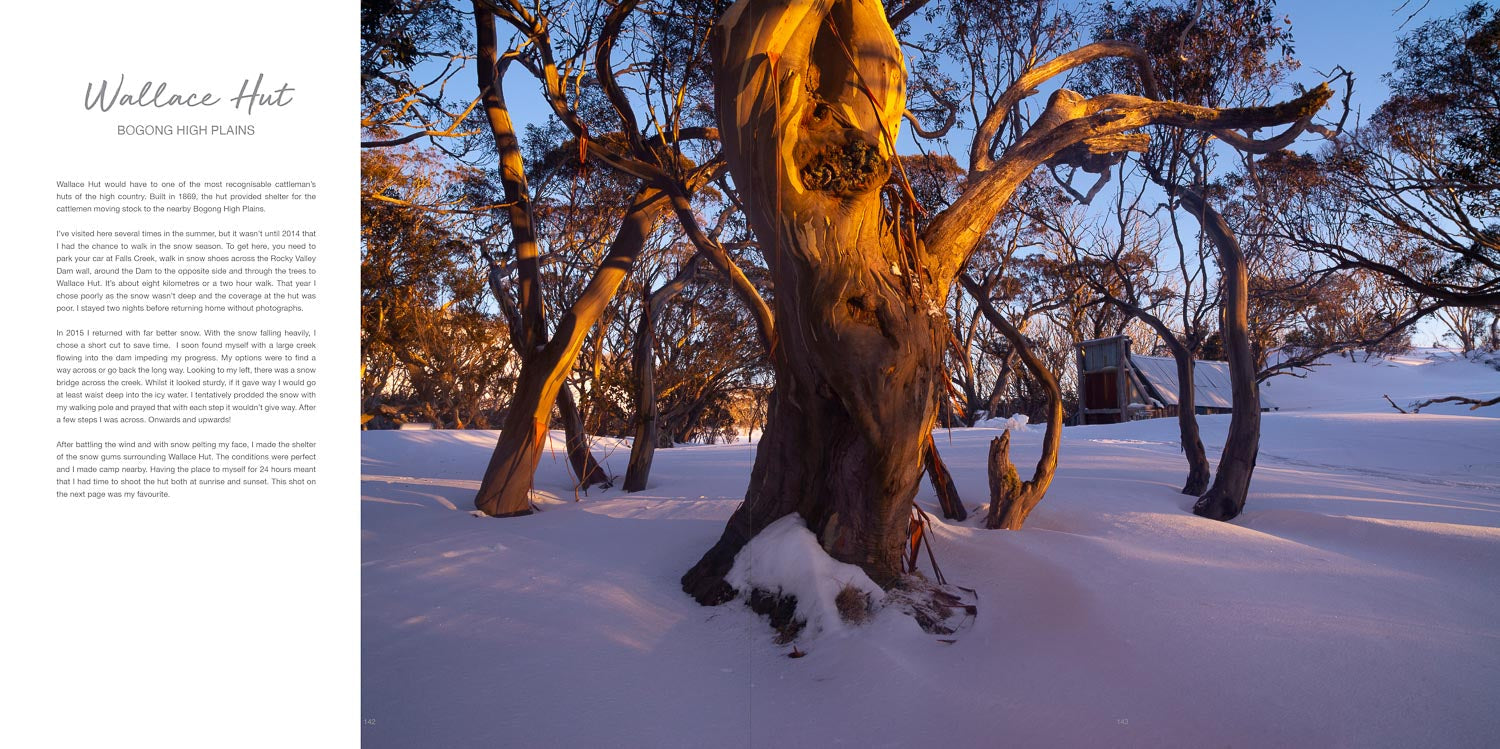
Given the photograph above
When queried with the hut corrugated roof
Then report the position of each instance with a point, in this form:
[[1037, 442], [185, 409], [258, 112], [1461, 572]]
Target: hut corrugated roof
[[1210, 381]]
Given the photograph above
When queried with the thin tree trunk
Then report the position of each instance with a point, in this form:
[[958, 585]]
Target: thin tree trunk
[[506, 487], [648, 414], [1002, 381], [643, 448], [689, 424], [942, 483], [488, 69], [1187, 424], [525, 423], [1226, 498], [585, 468], [1199, 472]]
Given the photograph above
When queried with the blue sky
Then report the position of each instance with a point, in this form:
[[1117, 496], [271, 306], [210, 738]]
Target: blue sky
[[1361, 36]]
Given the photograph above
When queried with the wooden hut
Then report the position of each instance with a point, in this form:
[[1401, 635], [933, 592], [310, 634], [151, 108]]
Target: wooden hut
[[1115, 385]]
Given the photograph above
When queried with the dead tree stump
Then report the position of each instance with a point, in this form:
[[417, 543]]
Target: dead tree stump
[[1006, 489]]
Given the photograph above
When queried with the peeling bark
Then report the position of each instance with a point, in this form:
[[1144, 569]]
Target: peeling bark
[[1199, 471]]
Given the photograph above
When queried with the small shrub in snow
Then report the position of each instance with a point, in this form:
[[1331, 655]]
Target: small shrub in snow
[[854, 605]]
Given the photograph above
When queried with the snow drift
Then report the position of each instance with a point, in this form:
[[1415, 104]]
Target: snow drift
[[1353, 604]]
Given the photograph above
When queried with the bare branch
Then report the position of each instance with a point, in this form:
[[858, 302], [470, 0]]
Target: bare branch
[[1473, 403], [1393, 404], [1071, 119], [984, 135]]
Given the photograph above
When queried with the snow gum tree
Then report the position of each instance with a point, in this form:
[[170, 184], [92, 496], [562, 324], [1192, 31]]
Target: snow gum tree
[[810, 94]]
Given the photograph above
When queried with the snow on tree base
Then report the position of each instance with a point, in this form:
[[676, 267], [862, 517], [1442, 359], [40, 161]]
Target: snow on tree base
[[785, 562]]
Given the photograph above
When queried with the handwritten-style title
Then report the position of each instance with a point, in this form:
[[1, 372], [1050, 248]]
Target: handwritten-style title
[[158, 95]]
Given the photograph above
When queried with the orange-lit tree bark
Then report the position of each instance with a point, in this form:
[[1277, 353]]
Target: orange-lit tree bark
[[810, 96], [666, 184], [585, 468], [506, 487]]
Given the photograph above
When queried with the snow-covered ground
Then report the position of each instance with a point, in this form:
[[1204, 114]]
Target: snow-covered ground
[[1355, 603]]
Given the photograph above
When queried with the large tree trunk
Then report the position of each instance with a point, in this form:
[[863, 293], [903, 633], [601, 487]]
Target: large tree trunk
[[1226, 498], [506, 487], [810, 97], [858, 351]]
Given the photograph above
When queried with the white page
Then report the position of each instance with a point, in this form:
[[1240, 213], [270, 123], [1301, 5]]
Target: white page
[[219, 615]]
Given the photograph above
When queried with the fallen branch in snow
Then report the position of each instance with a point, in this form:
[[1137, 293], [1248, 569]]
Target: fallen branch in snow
[[918, 538], [1393, 404], [1474, 403]]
